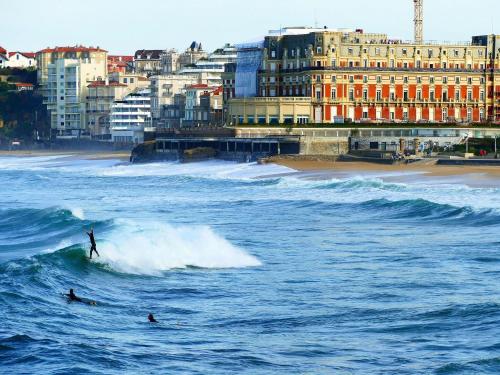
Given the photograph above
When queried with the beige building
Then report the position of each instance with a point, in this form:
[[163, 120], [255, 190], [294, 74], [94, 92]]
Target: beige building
[[100, 98], [364, 77], [64, 75], [134, 81], [147, 61]]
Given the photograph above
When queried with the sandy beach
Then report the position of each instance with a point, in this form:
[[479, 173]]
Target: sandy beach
[[349, 166]]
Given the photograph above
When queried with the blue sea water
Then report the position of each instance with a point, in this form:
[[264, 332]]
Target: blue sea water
[[249, 269]]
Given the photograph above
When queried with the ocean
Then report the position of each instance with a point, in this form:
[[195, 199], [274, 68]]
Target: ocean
[[249, 269]]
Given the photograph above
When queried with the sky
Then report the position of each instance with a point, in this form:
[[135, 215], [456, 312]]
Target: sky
[[124, 26]]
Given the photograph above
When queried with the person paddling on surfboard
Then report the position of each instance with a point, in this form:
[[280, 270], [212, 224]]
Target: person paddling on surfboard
[[93, 246], [72, 296]]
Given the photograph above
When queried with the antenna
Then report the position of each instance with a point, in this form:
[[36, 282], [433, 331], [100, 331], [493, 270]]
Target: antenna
[[419, 21]]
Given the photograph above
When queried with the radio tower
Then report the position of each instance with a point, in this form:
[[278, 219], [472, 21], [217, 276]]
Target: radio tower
[[419, 21]]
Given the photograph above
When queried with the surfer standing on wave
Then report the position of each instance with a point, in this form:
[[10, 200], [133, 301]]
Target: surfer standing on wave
[[93, 246]]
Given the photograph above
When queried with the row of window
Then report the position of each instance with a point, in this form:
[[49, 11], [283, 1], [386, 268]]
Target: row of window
[[392, 95], [445, 80]]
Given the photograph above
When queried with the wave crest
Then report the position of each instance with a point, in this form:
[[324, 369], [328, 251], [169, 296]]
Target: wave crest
[[156, 247]]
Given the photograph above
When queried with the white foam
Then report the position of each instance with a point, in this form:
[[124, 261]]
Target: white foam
[[216, 169], [152, 248], [78, 213]]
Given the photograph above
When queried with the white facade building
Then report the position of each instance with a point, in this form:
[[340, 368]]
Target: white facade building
[[22, 60], [130, 116]]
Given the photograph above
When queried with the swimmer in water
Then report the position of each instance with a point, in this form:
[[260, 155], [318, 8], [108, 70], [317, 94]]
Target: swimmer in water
[[152, 319]]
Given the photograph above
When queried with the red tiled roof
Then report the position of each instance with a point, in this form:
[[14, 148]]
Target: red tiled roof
[[3, 51], [103, 83], [29, 55], [198, 86], [218, 91], [120, 58], [72, 49]]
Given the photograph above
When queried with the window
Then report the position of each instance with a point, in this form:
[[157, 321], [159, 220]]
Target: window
[[419, 64], [445, 114], [131, 80], [365, 114], [432, 95], [430, 53], [379, 95], [351, 94], [365, 63], [469, 114], [377, 51], [351, 79], [365, 94], [319, 50], [419, 79], [393, 79], [365, 79], [445, 65], [379, 79], [419, 94], [431, 79], [405, 79], [405, 65], [334, 93], [457, 80], [469, 95], [334, 63], [349, 51], [445, 80], [391, 63], [457, 95], [405, 95], [481, 95], [405, 51], [318, 94], [273, 54], [469, 80]]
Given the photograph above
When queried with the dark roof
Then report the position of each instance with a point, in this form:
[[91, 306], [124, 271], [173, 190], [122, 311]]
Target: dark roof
[[148, 54]]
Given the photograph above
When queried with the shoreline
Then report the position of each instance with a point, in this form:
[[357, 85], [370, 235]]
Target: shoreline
[[423, 169], [88, 155]]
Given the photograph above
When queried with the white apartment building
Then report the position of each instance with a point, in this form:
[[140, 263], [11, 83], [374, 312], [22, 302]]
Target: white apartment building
[[65, 94], [130, 116]]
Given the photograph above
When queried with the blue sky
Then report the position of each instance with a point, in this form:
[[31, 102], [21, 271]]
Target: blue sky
[[123, 26]]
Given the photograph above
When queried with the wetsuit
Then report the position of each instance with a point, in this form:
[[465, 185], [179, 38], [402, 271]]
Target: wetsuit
[[73, 297], [92, 243]]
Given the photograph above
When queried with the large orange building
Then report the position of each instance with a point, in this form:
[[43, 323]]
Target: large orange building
[[355, 76]]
